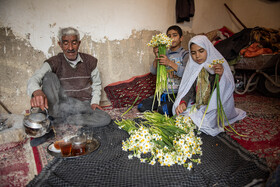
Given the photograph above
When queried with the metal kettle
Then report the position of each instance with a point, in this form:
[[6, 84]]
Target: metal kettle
[[37, 123]]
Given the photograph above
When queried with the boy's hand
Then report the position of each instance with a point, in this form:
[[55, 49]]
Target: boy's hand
[[180, 108], [163, 60], [219, 69]]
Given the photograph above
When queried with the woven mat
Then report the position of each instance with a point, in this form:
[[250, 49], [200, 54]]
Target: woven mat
[[224, 163], [262, 124]]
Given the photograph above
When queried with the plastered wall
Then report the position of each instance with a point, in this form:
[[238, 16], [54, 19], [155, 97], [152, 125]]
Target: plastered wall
[[116, 32]]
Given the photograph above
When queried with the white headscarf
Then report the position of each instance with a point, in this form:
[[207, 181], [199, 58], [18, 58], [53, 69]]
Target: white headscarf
[[227, 85]]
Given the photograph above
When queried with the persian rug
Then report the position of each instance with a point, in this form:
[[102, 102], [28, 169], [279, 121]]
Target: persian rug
[[224, 163], [261, 126], [124, 93], [17, 166]]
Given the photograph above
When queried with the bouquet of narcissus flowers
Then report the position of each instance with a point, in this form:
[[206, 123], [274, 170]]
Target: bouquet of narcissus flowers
[[161, 139], [219, 61], [162, 41]]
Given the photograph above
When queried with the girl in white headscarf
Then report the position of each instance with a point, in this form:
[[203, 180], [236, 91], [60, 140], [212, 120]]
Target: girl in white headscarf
[[196, 87]]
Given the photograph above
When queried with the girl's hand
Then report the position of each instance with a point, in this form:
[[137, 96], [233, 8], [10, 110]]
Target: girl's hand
[[219, 69], [95, 106], [181, 108]]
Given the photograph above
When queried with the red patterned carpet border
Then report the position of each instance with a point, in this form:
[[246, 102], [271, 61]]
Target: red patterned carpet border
[[124, 93]]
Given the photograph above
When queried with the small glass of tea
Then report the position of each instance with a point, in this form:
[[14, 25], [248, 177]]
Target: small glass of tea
[[89, 135], [66, 146], [79, 145], [57, 144]]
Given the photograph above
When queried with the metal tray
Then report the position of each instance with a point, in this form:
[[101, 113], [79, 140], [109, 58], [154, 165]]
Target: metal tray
[[90, 147]]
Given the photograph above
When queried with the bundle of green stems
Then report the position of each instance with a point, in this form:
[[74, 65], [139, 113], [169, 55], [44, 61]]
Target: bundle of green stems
[[157, 124], [221, 116], [161, 81]]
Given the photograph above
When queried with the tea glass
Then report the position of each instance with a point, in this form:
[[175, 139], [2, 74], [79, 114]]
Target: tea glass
[[78, 145], [57, 143], [59, 134], [66, 146], [89, 136]]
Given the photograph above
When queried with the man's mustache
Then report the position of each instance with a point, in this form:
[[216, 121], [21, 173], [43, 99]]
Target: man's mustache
[[71, 51]]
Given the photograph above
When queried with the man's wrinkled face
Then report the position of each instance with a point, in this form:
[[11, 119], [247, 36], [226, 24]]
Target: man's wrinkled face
[[70, 46]]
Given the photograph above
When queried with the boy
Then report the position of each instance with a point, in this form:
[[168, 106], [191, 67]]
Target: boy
[[175, 61]]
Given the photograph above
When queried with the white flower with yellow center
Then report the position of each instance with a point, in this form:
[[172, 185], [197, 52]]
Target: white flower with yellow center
[[190, 165], [153, 162]]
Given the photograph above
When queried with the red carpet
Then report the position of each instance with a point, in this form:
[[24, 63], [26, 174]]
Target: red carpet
[[16, 164], [124, 93], [262, 127]]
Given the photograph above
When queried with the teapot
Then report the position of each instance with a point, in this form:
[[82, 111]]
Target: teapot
[[37, 123]]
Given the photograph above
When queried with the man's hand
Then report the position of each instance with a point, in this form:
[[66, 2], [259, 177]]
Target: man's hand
[[219, 69], [180, 108], [94, 106], [39, 99]]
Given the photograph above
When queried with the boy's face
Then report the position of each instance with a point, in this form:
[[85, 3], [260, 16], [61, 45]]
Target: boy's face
[[70, 46], [199, 54], [176, 43]]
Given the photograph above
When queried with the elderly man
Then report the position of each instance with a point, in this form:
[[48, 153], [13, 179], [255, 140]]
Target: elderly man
[[69, 85]]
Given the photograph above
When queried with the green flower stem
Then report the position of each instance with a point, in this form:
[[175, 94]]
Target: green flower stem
[[221, 116], [130, 106], [218, 99], [231, 126], [127, 125], [161, 82]]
